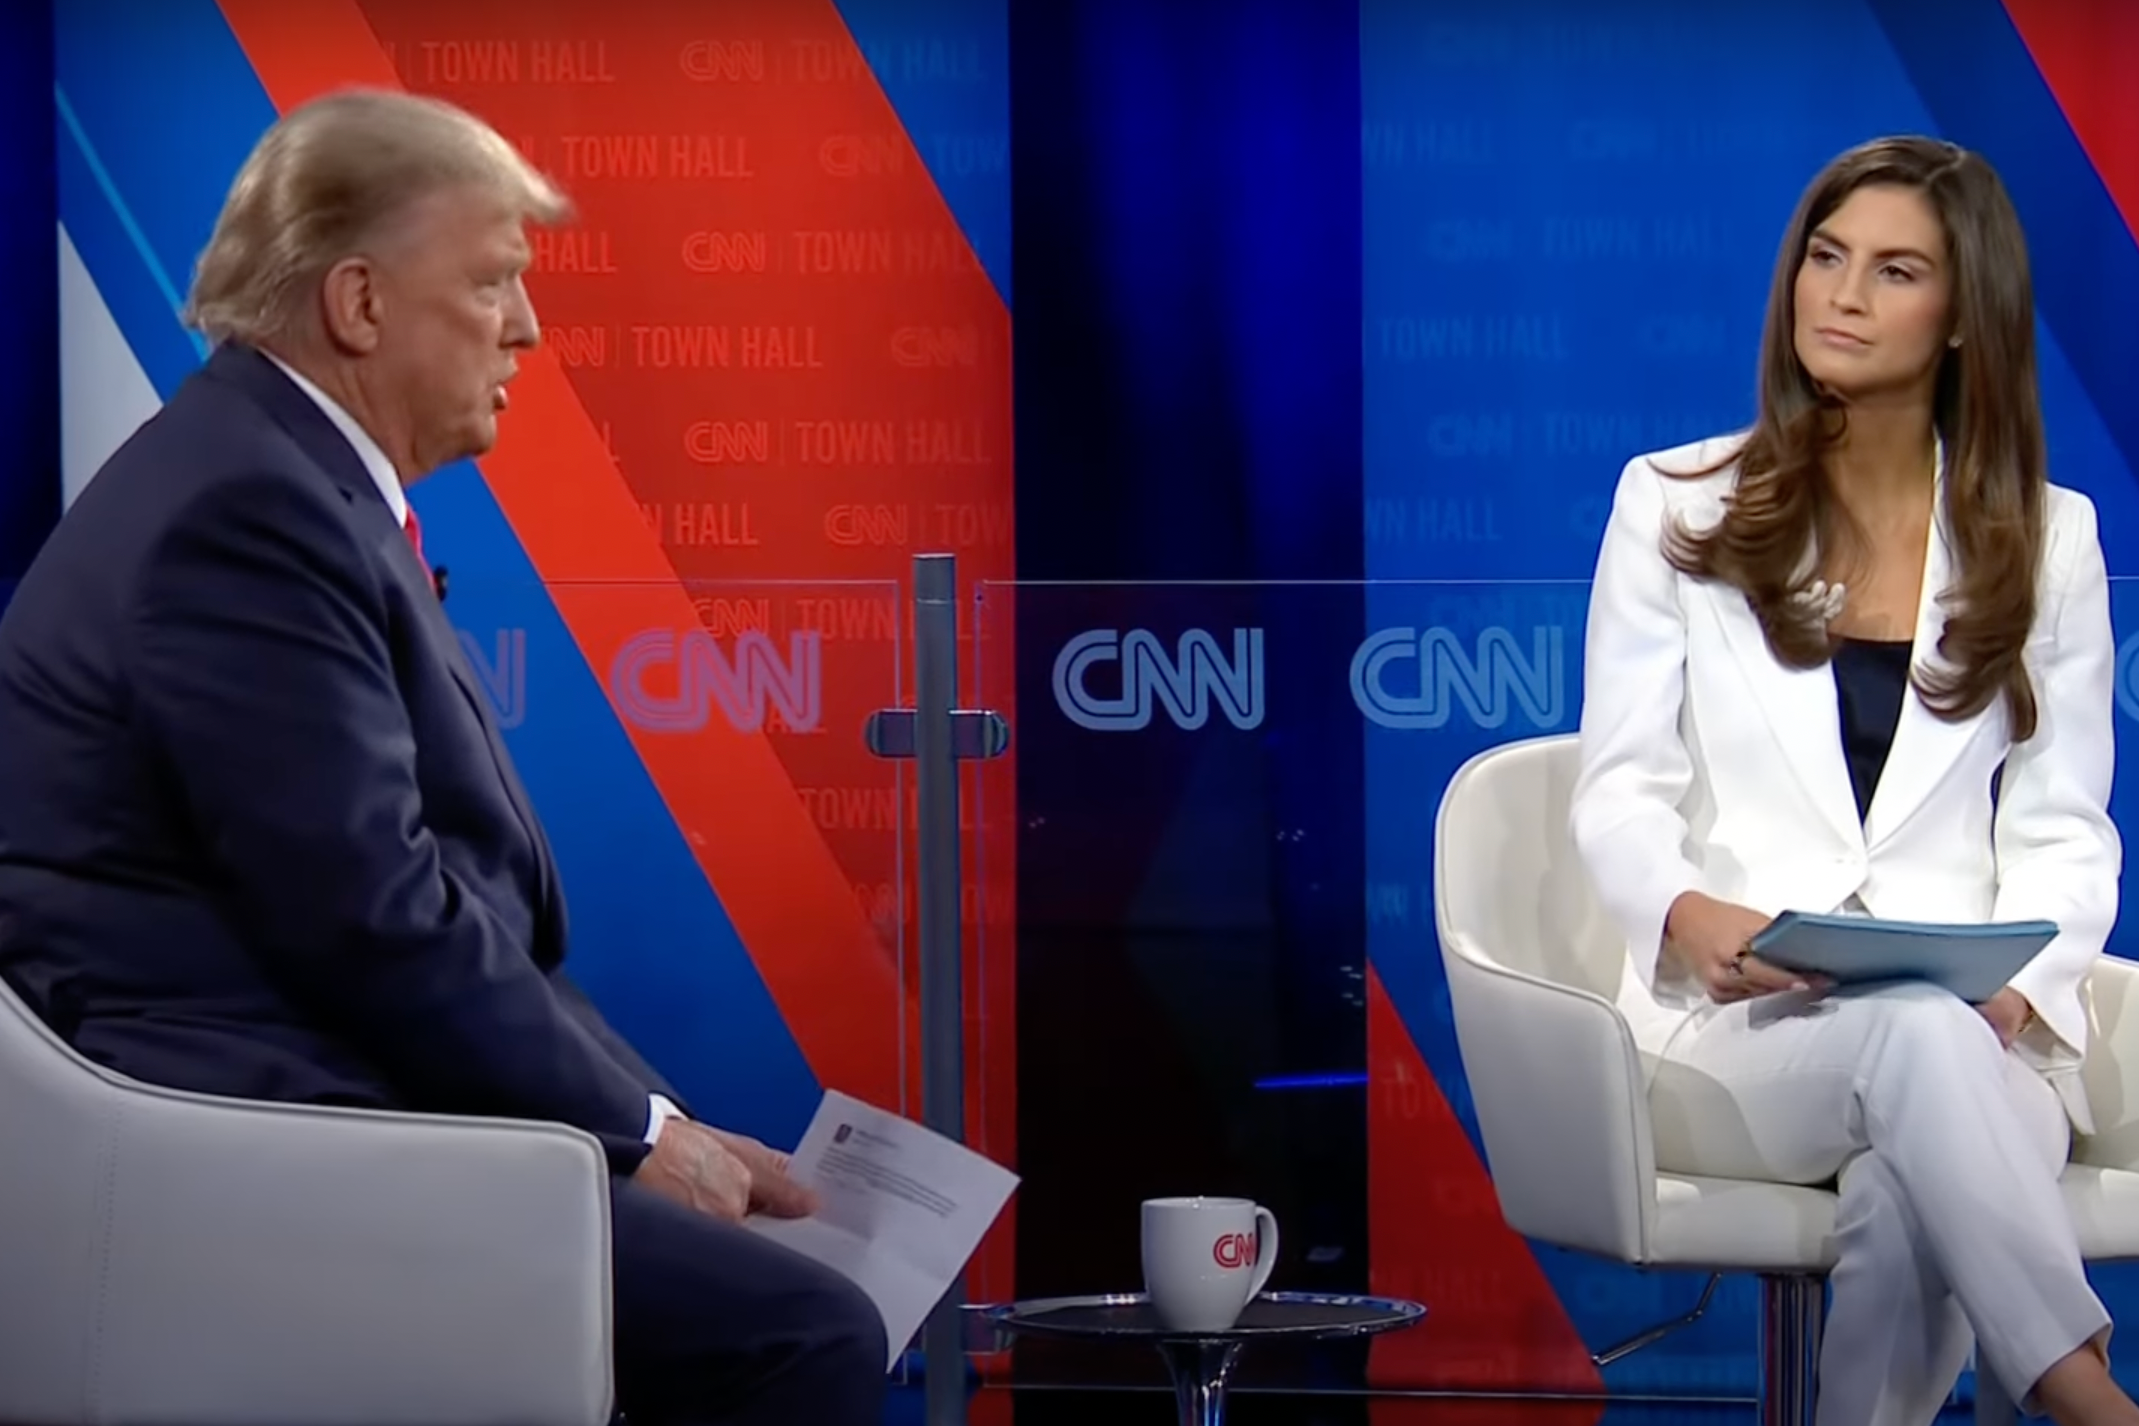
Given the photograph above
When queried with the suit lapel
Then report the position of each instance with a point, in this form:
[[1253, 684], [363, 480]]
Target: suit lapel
[[1800, 708], [434, 614], [1926, 746], [301, 417]]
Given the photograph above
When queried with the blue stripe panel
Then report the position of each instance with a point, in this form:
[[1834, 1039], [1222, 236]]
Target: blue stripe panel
[[29, 294], [1571, 221], [71, 126], [945, 67], [2117, 1284], [104, 236], [1976, 75], [650, 942], [1571, 218], [2084, 452], [171, 104]]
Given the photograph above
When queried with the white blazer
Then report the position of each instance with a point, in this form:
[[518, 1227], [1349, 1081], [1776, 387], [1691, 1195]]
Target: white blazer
[[1707, 765]]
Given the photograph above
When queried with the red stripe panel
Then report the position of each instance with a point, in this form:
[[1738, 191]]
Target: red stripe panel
[[583, 527], [1493, 1321], [2088, 52]]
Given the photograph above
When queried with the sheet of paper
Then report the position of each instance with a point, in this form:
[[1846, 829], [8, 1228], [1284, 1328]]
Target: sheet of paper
[[903, 1208]]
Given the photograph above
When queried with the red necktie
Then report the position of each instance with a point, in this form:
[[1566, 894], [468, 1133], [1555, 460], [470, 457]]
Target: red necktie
[[414, 531]]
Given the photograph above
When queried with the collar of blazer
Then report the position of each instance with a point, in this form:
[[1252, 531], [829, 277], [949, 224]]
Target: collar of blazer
[[1802, 712], [301, 417]]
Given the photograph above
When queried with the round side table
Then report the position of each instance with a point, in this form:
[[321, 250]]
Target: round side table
[[1201, 1363]]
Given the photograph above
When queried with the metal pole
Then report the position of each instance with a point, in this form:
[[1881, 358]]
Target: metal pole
[[1200, 1371], [1792, 1313], [942, 963]]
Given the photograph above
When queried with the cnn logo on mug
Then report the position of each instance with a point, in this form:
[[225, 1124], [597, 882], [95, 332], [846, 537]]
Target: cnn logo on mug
[[1234, 1250]]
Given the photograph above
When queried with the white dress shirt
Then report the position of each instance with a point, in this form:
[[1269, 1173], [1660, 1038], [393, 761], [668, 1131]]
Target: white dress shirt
[[659, 1109]]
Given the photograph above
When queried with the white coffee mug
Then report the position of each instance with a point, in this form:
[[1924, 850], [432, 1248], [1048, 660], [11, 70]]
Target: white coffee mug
[[1205, 1259]]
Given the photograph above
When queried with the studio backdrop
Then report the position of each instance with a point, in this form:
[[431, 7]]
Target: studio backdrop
[[1333, 329]]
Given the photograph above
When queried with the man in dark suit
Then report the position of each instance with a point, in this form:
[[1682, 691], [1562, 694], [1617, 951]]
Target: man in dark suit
[[260, 836]]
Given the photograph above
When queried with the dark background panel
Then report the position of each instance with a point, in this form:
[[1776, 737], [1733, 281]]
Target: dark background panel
[[1185, 226]]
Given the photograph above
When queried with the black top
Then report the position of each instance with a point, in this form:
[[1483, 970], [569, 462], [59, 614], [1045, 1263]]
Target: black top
[[1871, 678]]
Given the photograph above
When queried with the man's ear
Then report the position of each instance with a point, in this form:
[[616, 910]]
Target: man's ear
[[352, 305]]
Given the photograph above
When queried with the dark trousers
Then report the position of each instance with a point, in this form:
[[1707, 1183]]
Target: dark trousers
[[716, 1325]]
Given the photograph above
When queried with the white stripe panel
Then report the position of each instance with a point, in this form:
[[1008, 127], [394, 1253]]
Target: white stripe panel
[[104, 395]]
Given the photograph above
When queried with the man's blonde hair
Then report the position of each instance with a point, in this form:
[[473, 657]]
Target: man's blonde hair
[[323, 182]]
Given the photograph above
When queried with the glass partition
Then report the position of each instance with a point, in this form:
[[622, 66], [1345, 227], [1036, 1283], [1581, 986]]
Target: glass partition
[[1188, 941], [1217, 839], [1200, 948]]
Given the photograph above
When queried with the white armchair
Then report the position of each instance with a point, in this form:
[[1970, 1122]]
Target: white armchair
[[171, 1259], [1533, 964]]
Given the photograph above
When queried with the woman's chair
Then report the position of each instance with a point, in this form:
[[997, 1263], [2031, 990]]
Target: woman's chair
[[172, 1259], [1533, 965]]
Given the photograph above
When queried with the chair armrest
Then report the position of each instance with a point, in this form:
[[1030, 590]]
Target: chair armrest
[[2111, 1071], [1561, 1105], [270, 1265]]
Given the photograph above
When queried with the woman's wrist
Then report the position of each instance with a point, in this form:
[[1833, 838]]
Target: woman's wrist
[[1675, 914]]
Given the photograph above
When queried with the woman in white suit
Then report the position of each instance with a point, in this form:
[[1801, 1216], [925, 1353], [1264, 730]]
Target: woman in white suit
[[1860, 659]]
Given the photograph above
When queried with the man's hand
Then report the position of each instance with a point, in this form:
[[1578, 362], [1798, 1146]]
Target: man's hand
[[691, 1166], [771, 1190], [2009, 1013], [727, 1176], [1712, 941]]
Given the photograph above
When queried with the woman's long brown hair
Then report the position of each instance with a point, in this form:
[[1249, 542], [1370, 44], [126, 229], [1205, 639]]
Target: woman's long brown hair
[[1986, 411]]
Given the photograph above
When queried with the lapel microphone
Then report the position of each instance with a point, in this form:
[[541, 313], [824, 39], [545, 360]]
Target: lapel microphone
[[438, 582]]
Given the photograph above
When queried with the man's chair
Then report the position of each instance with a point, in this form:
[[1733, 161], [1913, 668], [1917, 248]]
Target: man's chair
[[171, 1259], [1533, 965]]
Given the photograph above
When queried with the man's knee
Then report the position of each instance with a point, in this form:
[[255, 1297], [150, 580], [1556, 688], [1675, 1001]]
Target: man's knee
[[705, 1310], [828, 1325], [850, 1331]]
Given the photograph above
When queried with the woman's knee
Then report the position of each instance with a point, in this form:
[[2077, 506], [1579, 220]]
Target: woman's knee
[[1925, 1017], [2039, 1113]]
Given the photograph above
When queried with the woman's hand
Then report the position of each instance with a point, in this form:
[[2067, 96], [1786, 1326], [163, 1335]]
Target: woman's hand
[[2009, 1013], [1712, 941]]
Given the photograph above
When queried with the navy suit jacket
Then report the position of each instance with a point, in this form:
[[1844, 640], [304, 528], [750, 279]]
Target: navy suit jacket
[[259, 834]]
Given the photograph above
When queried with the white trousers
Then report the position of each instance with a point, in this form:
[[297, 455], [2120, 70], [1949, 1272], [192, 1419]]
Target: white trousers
[[1948, 1152]]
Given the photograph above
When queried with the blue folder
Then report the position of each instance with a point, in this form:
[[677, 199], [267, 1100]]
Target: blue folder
[[1972, 961]]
